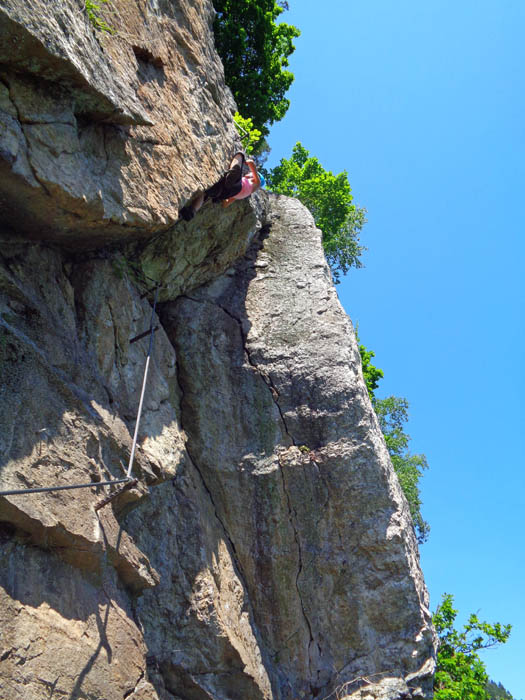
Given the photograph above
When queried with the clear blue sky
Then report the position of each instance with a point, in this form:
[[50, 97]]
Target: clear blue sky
[[423, 103]]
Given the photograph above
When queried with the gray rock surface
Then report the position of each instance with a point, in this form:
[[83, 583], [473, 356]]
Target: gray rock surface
[[103, 137], [266, 551], [69, 388], [192, 253], [289, 447]]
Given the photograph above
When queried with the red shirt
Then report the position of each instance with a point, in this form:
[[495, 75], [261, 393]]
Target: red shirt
[[248, 185]]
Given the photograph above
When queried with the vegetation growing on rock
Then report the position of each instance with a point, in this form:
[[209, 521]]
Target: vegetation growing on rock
[[371, 374], [392, 413], [460, 673], [93, 12], [329, 199], [254, 50]]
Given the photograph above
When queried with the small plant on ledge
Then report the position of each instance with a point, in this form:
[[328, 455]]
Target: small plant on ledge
[[92, 10]]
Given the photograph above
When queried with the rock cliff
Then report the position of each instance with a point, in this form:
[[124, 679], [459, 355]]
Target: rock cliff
[[103, 136], [266, 550]]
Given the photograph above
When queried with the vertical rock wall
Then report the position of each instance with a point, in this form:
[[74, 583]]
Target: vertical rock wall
[[71, 577], [266, 551], [287, 443]]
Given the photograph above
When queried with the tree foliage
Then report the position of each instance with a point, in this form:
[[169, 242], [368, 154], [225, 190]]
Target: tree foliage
[[460, 673], [329, 199], [250, 136], [254, 50], [371, 374], [392, 413], [496, 691]]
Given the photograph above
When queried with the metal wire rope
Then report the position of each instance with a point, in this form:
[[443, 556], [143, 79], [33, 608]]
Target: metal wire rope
[[127, 479]]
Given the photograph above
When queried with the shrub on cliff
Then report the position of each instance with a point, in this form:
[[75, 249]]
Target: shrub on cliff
[[254, 50], [93, 10], [392, 413], [371, 374], [329, 198], [460, 673]]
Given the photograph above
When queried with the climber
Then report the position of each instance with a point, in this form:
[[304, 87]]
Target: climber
[[232, 185]]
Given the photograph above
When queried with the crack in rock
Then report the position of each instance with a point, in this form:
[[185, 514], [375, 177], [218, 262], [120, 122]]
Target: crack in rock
[[21, 122], [194, 463], [260, 372], [300, 555]]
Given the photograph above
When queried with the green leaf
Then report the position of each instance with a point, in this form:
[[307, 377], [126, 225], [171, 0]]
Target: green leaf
[[254, 50], [329, 199], [460, 673]]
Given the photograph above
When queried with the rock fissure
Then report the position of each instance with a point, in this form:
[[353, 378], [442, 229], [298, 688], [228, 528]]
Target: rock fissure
[[300, 562], [132, 691], [210, 495], [6, 654], [36, 122], [195, 465], [116, 347], [105, 149], [260, 372], [34, 172], [154, 142]]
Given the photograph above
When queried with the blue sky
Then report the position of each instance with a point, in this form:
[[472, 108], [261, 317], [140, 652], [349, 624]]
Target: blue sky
[[423, 104]]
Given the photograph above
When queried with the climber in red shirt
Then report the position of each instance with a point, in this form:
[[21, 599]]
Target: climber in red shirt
[[232, 185], [250, 183]]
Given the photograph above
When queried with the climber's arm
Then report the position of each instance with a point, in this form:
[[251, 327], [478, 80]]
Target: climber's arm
[[255, 176]]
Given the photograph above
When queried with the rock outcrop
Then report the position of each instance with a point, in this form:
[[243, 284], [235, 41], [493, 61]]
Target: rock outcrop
[[266, 551], [269, 544], [284, 424], [103, 137]]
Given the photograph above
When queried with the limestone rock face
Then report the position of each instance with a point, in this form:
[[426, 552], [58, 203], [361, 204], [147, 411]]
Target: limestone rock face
[[192, 253], [288, 445], [69, 575], [102, 136], [267, 551]]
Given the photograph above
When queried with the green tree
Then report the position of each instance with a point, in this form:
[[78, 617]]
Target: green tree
[[329, 199], [460, 673], [250, 136], [371, 374], [392, 413], [496, 691], [254, 50]]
